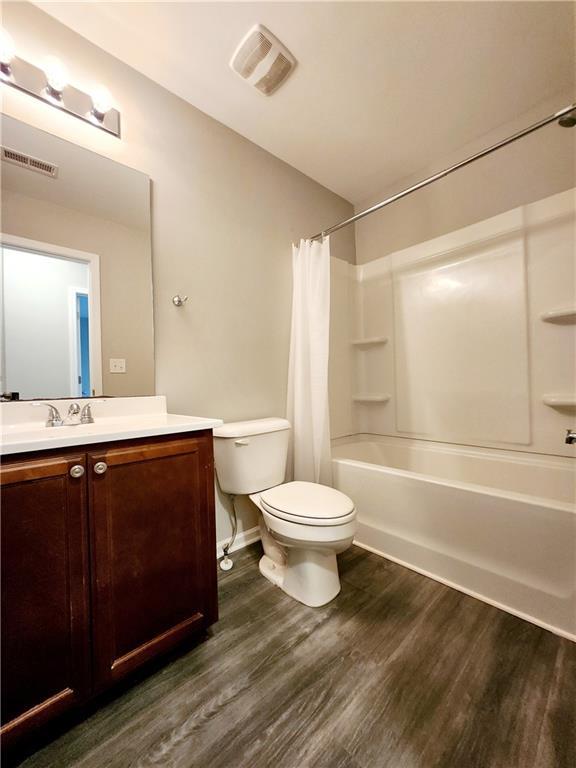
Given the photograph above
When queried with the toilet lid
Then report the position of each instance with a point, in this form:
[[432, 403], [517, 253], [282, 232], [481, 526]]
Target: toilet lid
[[308, 503]]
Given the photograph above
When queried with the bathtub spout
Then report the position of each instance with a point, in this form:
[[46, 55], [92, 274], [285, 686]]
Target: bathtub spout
[[570, 436]]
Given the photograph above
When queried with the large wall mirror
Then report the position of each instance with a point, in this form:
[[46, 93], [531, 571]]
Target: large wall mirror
[[76, 310]]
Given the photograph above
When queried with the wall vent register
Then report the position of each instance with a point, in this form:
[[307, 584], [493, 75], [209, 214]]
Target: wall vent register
[[29, 162]]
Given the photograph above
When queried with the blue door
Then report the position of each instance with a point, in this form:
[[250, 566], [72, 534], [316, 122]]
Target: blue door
[[83, 344]]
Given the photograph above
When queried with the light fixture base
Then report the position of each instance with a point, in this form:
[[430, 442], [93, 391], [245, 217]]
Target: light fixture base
[[26, 77]]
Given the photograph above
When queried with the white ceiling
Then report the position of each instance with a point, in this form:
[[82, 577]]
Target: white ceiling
[[382, 89]]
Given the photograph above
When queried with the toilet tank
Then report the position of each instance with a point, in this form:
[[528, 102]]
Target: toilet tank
[[250, 456]]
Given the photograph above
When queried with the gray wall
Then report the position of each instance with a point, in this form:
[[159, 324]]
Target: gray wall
[[224, 214], [531, 169]]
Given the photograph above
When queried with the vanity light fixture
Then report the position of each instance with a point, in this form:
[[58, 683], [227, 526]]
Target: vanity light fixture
[[50, 84], [7, 51], [101, 103], [56, 78]]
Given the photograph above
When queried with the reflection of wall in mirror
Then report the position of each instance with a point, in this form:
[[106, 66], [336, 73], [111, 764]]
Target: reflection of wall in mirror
[[125, 278], [37, 332]]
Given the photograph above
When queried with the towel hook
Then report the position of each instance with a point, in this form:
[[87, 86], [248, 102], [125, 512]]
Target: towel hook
[[178, 300]]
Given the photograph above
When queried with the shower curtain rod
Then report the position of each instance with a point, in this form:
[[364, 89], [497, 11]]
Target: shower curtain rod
[[408, 191]]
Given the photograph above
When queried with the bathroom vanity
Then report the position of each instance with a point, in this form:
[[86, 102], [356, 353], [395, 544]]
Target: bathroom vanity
[[108, 531], [108, 540], [108, 550]]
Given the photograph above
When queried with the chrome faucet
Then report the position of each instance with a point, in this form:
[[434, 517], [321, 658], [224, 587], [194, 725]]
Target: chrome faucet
[[76, 415], [73, 417], [86, 415], [570, 436], [54, 419]]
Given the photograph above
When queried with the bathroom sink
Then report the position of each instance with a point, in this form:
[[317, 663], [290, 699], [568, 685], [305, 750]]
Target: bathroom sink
[[123, 418]]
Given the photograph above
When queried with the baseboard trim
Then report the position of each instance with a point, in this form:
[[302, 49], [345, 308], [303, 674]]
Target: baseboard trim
[[243, 539], [470, 592]]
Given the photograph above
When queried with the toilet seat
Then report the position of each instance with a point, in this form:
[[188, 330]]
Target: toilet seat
[[308, 504]]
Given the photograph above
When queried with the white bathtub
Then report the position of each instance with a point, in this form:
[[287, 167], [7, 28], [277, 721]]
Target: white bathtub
[[498, 525]]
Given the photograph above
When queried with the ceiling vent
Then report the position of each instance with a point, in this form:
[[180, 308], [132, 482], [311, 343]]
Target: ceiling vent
[[31, 163], [262, 60]]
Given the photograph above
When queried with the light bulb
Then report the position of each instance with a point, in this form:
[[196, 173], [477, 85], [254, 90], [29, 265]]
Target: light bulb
[[7, 48], [101, 101], [56, 76]]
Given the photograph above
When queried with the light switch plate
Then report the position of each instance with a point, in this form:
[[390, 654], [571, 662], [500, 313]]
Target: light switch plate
[[117, 365]]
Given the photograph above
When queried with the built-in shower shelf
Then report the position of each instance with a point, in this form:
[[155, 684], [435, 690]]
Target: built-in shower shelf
[[565, 315], [369, 341], [560, 401], [377, 397]]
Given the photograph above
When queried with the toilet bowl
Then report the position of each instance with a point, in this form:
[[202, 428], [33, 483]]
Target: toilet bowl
[[303, 525]]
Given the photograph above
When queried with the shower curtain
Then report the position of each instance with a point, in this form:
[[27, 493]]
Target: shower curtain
[[308, 409]]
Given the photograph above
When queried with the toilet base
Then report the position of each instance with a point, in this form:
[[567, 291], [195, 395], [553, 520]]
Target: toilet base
[[309, 575], [272, 571]]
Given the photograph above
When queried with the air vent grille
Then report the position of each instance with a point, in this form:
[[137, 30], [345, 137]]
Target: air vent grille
[[29, 162], [256, 48], [276, 74], [262, 60]]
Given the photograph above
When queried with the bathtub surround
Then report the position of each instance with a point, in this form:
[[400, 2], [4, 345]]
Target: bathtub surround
[[344, 318], [307, 406], [450, 363], [226, 351], [466, 352]]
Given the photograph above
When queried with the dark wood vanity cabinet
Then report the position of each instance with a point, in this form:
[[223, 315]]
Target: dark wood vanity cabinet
[[153, 551], [45, 590], [101, 571]]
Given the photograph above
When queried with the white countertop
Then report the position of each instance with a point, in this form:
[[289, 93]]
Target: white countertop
[[119, 418]]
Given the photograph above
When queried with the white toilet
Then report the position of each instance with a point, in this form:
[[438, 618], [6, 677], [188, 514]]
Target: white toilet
[[303, 525]]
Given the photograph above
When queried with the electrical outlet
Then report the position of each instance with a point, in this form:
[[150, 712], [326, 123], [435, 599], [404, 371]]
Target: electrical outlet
[[117, 365]]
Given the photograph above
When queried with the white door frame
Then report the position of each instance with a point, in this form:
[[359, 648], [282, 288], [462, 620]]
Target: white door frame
[[94, 324]]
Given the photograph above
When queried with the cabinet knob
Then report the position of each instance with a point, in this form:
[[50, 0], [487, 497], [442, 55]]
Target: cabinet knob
[[77, 470], [100, 467]]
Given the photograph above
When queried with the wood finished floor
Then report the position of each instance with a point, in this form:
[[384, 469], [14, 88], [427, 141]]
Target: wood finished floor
[[397, 672]]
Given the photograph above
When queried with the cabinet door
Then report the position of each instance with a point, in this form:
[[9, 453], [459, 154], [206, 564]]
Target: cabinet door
[[45, 631], [153, 550]]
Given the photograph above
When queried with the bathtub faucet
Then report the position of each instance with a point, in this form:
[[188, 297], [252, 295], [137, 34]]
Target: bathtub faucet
[[570, 436]]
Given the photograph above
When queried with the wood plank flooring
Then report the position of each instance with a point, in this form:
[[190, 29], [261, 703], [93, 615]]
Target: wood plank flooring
[[397, 672]]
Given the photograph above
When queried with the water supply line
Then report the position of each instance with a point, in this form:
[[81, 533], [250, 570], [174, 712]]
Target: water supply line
[[226, 563]]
